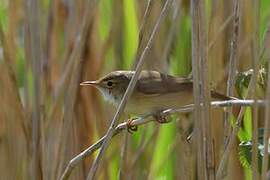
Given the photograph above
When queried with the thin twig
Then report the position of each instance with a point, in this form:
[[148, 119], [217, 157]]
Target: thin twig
[[120, 109], [234, 53], [232, 138], [144, 20], [229, 146], [221, 29], [145, 17], [71, 74], [255, 64], [142, 147], [123, 157], [74, 59], [144, 120], [172, 30], [72, 69]]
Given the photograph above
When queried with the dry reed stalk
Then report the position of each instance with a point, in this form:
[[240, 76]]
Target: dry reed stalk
[[122, 173], [255, 64], [127, 94], [196, 90], [14, 132], [176, 16], [144, 120], [143, 30], [201, 91], [232, 65], [233, 61], [36, 56], [266, 134]]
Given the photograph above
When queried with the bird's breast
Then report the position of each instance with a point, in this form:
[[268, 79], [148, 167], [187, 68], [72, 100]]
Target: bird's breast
[[141, 104]]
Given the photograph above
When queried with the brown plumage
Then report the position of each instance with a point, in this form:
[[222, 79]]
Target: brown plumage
[[154, 91]]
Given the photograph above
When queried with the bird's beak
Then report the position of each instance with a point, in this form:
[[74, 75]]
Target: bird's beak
[[91, 83]]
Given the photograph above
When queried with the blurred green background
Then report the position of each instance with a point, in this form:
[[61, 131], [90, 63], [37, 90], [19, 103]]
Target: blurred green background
[[46, 118]]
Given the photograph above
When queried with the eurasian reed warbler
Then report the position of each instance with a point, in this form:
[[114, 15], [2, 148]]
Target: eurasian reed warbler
[[154, 91]]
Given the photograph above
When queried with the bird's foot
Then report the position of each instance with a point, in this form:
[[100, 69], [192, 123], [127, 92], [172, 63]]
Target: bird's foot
[[130, 127], [161, 117]]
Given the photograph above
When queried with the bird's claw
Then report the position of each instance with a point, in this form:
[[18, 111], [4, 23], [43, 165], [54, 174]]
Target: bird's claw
[[130, 127], [161, 117]]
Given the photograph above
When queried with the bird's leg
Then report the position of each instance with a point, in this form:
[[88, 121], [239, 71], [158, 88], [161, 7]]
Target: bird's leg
[[130, 127], [161, 117]]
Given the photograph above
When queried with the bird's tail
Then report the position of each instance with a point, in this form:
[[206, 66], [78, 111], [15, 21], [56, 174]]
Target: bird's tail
[[220, 96]]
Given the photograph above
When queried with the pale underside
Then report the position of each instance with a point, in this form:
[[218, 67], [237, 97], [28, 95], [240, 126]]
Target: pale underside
[[141, 104]]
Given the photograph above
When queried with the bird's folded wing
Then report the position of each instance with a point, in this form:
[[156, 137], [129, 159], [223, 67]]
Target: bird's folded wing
[[155, 83]]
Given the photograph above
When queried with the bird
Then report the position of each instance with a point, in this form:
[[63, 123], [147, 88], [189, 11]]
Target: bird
[[154, 91]]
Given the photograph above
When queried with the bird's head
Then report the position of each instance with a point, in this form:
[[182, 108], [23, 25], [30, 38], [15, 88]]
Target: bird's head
[[112, 86]]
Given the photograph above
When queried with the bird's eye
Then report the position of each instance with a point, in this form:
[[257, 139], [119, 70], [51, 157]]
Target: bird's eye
[[109, 83]]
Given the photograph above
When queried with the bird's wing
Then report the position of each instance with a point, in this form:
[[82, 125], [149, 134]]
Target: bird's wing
[[154, 83]]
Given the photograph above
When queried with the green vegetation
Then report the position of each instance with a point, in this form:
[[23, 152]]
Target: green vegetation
[[70, 118]]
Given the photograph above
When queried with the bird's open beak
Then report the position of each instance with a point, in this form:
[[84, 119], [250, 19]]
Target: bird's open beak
[[87, 83]]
